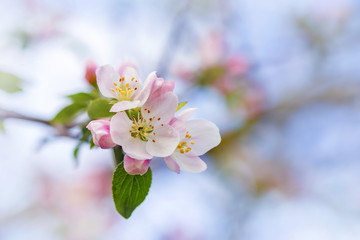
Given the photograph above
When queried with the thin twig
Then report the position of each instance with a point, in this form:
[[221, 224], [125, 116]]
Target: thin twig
[[5, 114], [61, 130]]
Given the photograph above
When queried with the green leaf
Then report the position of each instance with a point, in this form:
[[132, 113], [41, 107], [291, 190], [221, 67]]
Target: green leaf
[[129, 191], [99, 108], [181, 105], [68, 113], [118, 155], [82, 97], [92, 144], [10, 83], [76, 152], [85, 135]]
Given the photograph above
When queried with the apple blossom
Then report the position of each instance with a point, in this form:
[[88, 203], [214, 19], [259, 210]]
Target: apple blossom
[[196, 138], [148, 132], [134, 166], [100, 131], [127, 89]]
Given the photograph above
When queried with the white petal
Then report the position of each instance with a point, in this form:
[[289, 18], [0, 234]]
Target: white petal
[[106, 76], [166, 140], [136, 148], [172, 164], [132, 78], [179, 122], [124, 105], [146, 89], [120, 125], [130, 73], [163, 107], [186, 114], [204, 134], [189, 163]]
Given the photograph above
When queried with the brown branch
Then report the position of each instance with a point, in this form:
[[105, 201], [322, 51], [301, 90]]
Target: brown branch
[[61, 130]]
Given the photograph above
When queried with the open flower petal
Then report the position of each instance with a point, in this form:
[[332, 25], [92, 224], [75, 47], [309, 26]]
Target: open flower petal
[[124, 105], [132, 78], [186, 114], [146, 89], [164, 142], [179, 122], [136, 148], [161, 87], [172, 164], [163, 107], [119, 128], [189, 163], [120, 125], [106, 76], [204, 134]]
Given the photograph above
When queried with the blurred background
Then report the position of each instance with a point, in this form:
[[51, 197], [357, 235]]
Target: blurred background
[[280, 78]]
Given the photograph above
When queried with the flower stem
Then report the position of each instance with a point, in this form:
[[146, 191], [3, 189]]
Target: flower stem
[[61, 130]]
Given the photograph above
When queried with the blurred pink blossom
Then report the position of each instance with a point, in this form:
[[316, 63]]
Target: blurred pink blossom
[[90, 73]]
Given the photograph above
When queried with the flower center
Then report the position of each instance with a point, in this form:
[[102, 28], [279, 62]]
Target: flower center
[[140, 128], [123, 90], [183, 146]]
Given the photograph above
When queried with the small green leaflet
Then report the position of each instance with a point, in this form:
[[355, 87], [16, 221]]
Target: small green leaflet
[[181, 105], [76, 152], [99, 108], [84, 138], [10, 83], [92, 144], [69, 113], [118, 155], [82, 97], [129, 191]]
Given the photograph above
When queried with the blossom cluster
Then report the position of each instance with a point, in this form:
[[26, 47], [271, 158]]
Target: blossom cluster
[[147, 125]]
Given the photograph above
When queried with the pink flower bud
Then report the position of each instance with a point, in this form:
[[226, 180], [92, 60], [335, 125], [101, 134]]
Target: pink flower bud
[[90, 74], [100, 131], [133, 166], [161, 87]]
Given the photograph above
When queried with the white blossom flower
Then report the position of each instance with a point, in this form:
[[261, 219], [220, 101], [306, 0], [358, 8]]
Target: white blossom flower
[[127, 89], [148, 132], [197, 136]]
